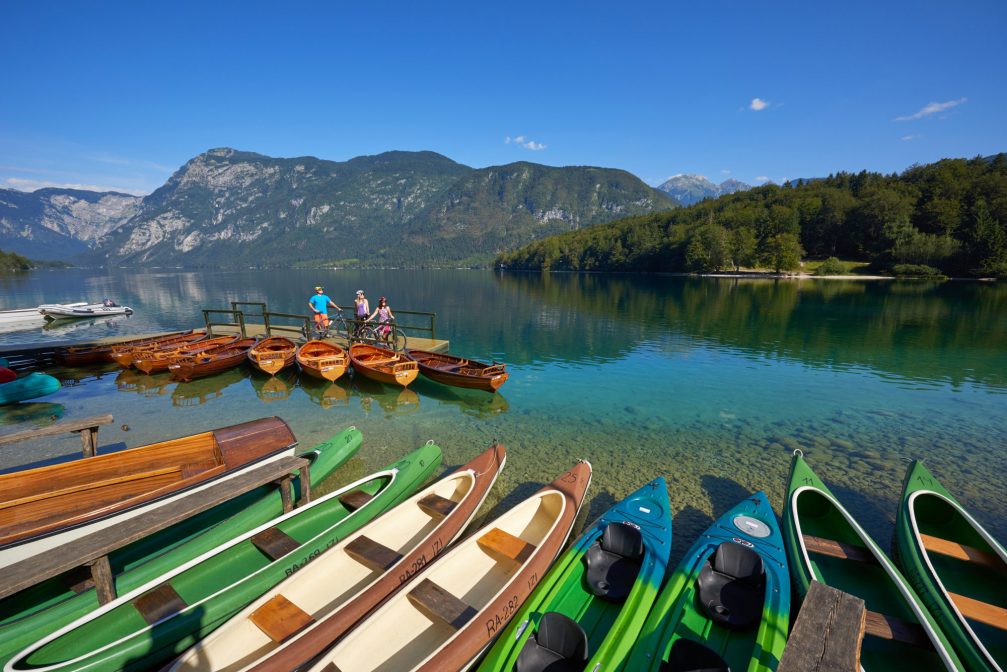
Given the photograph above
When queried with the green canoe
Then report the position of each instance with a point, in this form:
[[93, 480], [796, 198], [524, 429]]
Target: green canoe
[[27, 387], [156, 622], [958, 569], [824, 543], [42, 609], [596, 598], [728, 602]]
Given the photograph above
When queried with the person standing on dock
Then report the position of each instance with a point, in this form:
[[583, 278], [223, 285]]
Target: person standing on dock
[[320, 303], [385, 318], [362, 308]]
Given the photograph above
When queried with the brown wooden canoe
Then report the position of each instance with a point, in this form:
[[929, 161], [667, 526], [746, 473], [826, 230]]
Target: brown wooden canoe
[[348, 580], [96, 354], [384, 366], [160, 359], [454, 608], [458, 371], [124, 353], [272, 355], [322, 360], [49, 500], [189, 367]]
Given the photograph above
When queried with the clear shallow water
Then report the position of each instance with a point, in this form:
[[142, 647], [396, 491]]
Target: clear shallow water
[[709, 382]]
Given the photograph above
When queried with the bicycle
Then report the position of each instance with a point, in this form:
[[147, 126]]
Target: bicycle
[[336, 324], [395, 338]]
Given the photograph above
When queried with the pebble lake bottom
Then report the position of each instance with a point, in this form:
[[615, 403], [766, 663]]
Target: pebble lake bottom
[[711, 383]]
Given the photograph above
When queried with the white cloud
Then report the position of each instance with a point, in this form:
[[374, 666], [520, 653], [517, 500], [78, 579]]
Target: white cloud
[[523, 141], [32, 185], [907, 138], [758, 104], [762, 178], [725, 171], [932, 108]]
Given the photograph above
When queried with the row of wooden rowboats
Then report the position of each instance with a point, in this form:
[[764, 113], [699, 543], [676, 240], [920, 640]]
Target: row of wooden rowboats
[[194, 354], [376, 576]]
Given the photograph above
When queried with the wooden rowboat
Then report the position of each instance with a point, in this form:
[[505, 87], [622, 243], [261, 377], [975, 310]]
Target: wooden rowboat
[[455, 607], [124, 354], [384, 366], [160, 359], [322, 360], [458, 371], [272, 355], [298, 619], [211, 361], [96, 354], [38, 507]]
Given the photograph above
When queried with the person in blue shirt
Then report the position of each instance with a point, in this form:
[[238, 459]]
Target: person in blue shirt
[[319, 304]]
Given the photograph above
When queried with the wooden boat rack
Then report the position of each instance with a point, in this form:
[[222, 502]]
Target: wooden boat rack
[[92, 551], [86, 427]]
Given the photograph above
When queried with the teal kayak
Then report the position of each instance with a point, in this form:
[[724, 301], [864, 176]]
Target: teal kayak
[[588, 610], [727, 604], [825, 544], [27, 387], [48, 606], [956, 566]]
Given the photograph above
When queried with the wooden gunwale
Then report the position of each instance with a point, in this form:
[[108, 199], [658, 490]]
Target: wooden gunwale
[[91, 354], [322, 360], [272, 355], [383, 365], [212, 361]]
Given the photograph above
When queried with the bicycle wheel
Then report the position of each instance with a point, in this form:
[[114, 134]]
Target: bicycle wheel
[[367, 334], [339, 328], [397, 339]]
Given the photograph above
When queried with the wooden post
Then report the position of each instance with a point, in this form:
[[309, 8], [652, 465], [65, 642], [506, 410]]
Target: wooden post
[[241, 323], [285, 497], [206, 320], [305, 484], [827, 634], [86, 427], [101, 573], [89, 441]]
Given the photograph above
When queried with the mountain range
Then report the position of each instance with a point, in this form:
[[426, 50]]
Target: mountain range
[[233, 208], [689, 189]]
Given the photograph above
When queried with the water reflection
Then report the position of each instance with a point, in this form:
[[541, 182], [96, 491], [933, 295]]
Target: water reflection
[[325, 393], [203, 390], [274, 388], [131, 380], [475, 403], [392, 399], [37, 413]]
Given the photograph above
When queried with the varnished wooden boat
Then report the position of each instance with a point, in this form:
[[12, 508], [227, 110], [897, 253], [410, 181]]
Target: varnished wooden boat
[[159, 359], [96, 354], [300, 618], [322, 360], [458, 371], [189, 367], [123, 355], [455, 607], [384, 366], [272, 355], [45, 508]]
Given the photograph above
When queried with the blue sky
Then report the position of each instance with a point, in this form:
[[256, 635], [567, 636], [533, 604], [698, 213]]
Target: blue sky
[[119, 95]]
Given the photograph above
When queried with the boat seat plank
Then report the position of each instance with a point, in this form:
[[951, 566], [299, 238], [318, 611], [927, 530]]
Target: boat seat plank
[[896, 629], [371, 554], [958, 551], [984, 612], [279, 619], [436, 506], [159, 603], [838, 549], [275, 543], [505, 546], [355, 499], [438, 604]]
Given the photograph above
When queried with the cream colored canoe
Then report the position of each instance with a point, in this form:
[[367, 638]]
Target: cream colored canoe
[[455, 607], [301, 617]]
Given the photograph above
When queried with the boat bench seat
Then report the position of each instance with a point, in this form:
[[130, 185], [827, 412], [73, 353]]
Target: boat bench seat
[[953, 549], [505, 546], [977, 610], [439, 605], [436, 506], [370, 553], [159, 603], [884, 626], [275, 543], [838, 549], [355, 499], [279, 619]]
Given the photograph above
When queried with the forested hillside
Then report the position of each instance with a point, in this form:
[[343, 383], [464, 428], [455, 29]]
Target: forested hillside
[[947, 217], [11, 262]]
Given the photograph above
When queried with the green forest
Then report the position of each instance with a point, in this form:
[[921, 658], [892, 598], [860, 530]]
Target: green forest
[[11, 262], [944, 218]]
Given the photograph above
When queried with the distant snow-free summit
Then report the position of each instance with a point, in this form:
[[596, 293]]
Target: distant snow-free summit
[[689, 189]]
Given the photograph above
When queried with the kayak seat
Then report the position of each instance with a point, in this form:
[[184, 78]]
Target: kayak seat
[[732, 586], [559, 645], [689, 656], [614, 561]]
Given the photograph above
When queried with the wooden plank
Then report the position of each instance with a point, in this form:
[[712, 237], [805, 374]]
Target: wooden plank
[[984, 612], [828, 633], [371, 554], [31, 571], [275, 543], [838, 549], [355, 499], [436, 506], [159, 603], [101, 576], [89, 441], [58, 428], [280, 619], [958, 551], [884, 626], [305, 481], [438, 604], [505, 546]]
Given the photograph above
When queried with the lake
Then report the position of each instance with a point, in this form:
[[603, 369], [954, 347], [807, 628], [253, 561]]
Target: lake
[[710, 382]]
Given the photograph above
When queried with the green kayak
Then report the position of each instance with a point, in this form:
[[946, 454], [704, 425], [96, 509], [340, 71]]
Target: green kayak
[[728, 602], [824, 543], [958, 569], [42, 609], [157, 621], [587, 611]]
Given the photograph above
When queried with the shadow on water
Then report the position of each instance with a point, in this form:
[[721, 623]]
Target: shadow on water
[[724, 493], [686, 527], [873, 514], [599, 504]]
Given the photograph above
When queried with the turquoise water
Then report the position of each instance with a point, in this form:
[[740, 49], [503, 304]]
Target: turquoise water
[[710, 383]]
